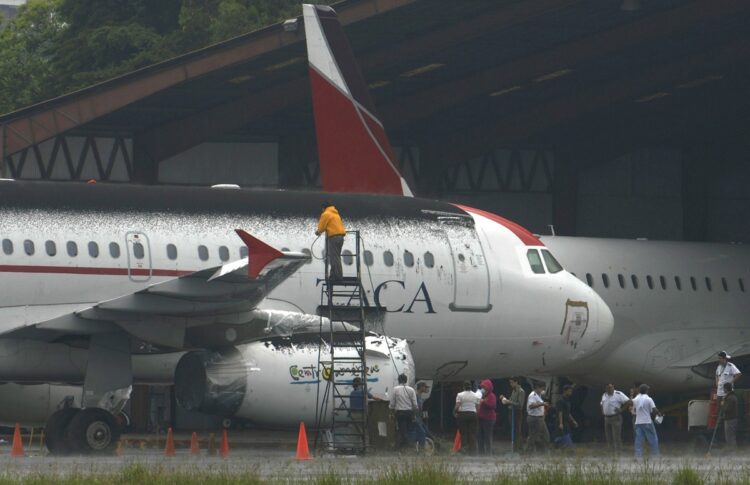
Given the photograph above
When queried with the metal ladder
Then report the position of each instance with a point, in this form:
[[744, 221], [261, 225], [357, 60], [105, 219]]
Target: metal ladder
[[343, 301]]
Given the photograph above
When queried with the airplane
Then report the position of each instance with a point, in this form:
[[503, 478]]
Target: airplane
[[108, 285], [676, 304]]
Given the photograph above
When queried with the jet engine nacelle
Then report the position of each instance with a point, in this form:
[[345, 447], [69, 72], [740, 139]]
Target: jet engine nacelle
[[280, 382]]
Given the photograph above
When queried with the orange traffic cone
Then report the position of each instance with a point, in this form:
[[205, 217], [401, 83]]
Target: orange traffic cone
[[17, 450], [211, 444], [303, 452], [169, 449], [119, 451], [194, 448], [457, 442], [224, 448]]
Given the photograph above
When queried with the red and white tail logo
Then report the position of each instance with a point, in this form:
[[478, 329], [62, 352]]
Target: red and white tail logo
[[354, 151]]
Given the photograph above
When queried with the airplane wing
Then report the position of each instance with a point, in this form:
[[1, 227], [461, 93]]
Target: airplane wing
[[209, 308]]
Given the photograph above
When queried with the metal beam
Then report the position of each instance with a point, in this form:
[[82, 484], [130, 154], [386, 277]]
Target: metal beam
[[35, 124]]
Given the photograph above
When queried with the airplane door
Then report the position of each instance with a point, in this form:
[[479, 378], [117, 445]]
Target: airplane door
[[471, 275], [139, 256]]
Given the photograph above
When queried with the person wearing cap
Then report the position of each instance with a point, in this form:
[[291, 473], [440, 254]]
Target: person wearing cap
[[487, 416], [612, 403], [726, 372], [729, 407], [644, 408], [331, 224], [538, 432], [465, 413]]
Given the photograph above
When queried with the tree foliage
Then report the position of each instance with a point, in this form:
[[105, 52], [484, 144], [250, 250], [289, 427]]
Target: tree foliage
[[56, 46]]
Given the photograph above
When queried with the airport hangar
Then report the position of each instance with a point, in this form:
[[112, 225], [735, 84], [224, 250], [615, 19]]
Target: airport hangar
[[609, 118]]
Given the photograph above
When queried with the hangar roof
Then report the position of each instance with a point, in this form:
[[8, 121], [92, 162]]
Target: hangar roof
[[464, 75]]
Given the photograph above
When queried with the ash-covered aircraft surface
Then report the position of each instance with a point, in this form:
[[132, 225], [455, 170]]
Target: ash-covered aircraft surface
[[105, 286]]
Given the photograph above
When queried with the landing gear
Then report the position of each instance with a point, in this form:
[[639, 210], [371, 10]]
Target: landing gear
[[85, 431], [57, 424]]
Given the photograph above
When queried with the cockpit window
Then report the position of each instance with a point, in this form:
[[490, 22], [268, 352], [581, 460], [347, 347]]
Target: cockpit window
[[552, 265], [535, 261]]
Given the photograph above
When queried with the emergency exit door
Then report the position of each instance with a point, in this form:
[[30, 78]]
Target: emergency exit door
[[471, 289], [139, 256]]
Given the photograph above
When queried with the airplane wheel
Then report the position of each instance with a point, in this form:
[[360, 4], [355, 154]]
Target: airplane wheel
[[56, 437], [94, 430]]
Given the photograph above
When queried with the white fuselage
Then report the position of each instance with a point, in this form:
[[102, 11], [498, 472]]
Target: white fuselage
[[466, 299], [691, 300]]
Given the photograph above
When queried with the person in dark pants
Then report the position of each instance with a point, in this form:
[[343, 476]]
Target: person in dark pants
[[404, 405], [487, 417], [517, 404], [331, 223], [565, 420], [729, 406], [465, 413]]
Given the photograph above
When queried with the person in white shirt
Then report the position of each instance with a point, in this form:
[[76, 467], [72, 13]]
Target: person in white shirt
[[612, 403], [725, 372], [538, 432], [404, 404], [644, 408], [465, 413]]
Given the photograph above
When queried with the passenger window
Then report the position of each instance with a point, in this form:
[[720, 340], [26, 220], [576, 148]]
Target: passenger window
[[368, 258], [535, 261], [429, 260], [388, 258], [590, 279], [72, 248], [7, 246], [708, 283], [724, 284], [305, 251], [621, 280], [693, 283], [223, 253], [650, 282], [408, 259], [93, 249], [244, 253], [28, 247], [286, 250], [51, 248], [605, 280], [171, 251], [552, 265], [678, 283], [114, 250], [739, 280], [663, 282], [347, 257], [138, 251], [634, 280], [203, 252]]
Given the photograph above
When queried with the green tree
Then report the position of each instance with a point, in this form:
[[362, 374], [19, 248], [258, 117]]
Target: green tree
[[27, 43]]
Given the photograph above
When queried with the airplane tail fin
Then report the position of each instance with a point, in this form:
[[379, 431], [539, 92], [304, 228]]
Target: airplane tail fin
[[354, 151]]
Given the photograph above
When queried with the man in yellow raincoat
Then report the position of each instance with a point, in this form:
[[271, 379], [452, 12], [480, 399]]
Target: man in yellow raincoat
[[333, 226]]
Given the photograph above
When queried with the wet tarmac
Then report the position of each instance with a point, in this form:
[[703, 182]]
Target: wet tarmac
[[279, 461]]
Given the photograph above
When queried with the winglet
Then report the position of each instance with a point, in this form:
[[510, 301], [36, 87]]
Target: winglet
[[259, 253], [354, 151]]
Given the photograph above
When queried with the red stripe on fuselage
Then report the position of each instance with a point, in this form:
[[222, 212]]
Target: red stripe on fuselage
[[521, 232], [79, 270]]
